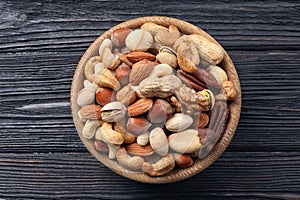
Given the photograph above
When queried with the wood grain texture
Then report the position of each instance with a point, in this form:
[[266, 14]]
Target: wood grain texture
[[41, 155]]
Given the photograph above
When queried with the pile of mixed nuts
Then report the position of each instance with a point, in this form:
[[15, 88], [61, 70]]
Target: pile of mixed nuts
[[154, 98]]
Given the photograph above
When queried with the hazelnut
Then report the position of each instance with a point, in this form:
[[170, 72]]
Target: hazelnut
[[138, 125], [118, 36], [160, 111], [104, 96], [122, 74], [183, 160]]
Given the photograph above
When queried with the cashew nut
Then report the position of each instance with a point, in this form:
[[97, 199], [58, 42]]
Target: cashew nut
[[104, 78], [108, 135], [90, 127], [133, 163], [112, 150], [161, 167]]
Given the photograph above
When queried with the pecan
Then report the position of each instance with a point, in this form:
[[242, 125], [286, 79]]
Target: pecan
[[191, 80], [205, 77], [219, 115]]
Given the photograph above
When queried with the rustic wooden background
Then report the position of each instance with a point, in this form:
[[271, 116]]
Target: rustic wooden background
[[41, 155]]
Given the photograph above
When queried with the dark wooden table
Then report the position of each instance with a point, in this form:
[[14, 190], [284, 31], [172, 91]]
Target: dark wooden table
[[41, 155]]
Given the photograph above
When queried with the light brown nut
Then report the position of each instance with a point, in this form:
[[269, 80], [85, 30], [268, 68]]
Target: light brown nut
[[139, 150], [160, 111], [106, 78], [140, 71], [153, 28], [128, 137], [183, 160], [90, 127], [113, 112], [91, 112], [104, 96], [110, 60], [122, 74], [107, 134], [218, 73], [118, 36], [179, 122], [139, 107], [138, 125], [100, 146], [143, 139], [159, 141], [203, 120], [161, 167], [136, 56], [185, 142], [86, 96], [212, 52], [107, 43], [187, 54], [160, 87], [167, 58], [206, 100], [126, 95], [130, 162], [229, 90], [167, 37], [112, 150], [139, 40], [90, 67]]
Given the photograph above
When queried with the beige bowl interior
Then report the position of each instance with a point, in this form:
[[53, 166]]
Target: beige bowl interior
[[178, 174]]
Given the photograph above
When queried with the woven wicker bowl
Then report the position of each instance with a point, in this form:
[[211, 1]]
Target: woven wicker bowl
[[178, 174]]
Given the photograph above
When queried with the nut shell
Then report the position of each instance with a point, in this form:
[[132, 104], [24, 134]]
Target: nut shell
[[104, 96]]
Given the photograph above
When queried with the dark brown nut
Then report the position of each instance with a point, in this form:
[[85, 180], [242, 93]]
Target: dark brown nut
[[104, 96], [219, 115], [191, 81], [138, 125], [137, 56], [118, 36], [183, 160], [160, 111], [125, 60], [205, 77], [139, 107], [122, 74], [204, 120], [91, 112], [206, 135], [100, 146], [138, 150]]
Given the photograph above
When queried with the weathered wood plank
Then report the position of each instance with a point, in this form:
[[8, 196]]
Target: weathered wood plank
[[234, 175], [247, 25]]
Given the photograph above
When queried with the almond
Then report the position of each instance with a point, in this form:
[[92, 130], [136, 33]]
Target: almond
[[140, 71], [137, 56], [139, 150], [91, 112], [140, 107]]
